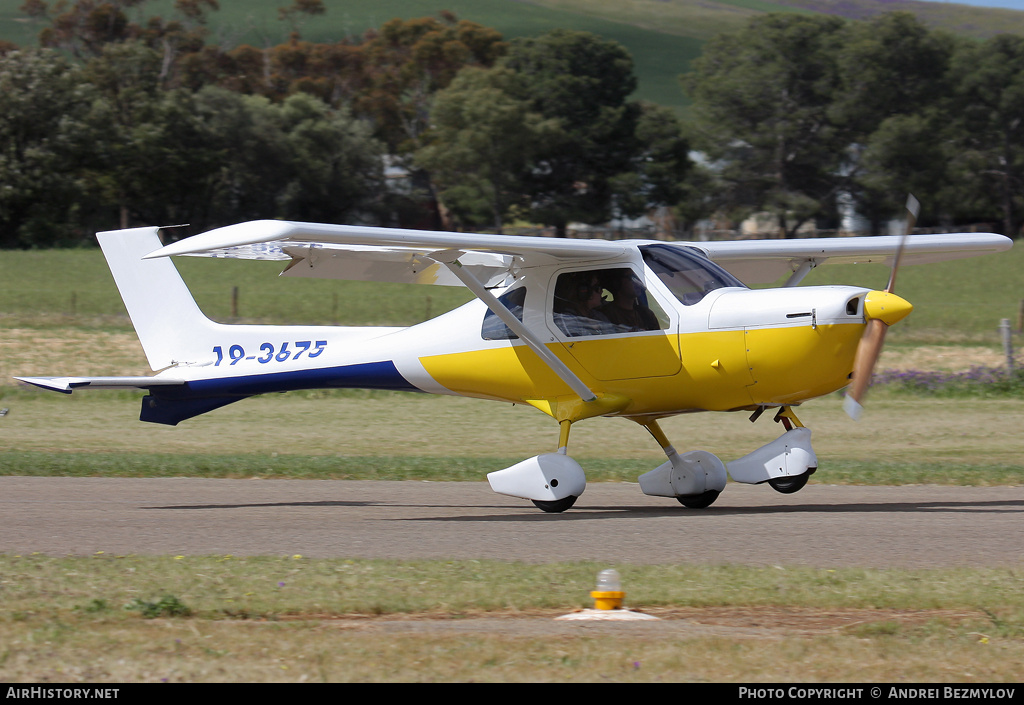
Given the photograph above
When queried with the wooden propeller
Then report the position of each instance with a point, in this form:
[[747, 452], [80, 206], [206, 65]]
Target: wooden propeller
[[870, 347]]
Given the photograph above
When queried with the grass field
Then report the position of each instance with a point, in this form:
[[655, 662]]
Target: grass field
[[351, 436], [111, 619]]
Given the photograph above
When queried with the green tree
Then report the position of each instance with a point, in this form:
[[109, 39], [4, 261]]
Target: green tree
[[337, 165], [481, 142], [583, 82], [211, 157], [85, 28], [987, 120], [406, 62], [42, 105], [254, 157], [891, 101], [660, 165], [762, 99], [148, 158]]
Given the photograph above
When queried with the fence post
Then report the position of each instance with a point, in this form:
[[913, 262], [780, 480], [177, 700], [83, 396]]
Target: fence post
[[234, 302], [1007, 334]]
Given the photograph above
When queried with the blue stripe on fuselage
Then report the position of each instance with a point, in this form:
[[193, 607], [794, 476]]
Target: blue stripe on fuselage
[[170, 405]]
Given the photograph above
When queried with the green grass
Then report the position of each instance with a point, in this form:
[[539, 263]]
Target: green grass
[[959, 301], [352, 436], [456, 469], [57, 288], [126, 619], [276, 586]]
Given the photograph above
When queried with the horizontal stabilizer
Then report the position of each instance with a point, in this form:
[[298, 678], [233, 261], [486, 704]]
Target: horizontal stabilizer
[[69, 384]]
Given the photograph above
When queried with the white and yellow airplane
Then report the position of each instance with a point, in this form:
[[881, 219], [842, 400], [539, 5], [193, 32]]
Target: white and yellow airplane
[[576, 328]]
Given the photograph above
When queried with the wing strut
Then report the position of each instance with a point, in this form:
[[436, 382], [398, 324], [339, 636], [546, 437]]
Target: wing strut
[[800, 272], [450, 258]]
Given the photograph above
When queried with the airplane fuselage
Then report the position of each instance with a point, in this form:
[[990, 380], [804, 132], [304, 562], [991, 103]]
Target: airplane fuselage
[[726, 348]]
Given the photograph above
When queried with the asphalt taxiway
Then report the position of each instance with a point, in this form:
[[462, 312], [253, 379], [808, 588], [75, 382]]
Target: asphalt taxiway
[[913, 526]]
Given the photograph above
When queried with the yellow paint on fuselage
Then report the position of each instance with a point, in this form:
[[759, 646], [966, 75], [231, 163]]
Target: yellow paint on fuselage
[[646, 355], [791, 365], [719, 370]]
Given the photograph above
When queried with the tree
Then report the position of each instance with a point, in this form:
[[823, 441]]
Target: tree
[[337, 166], [147, 156], [762, 98], [907, 153], [894, 81], [660, 165], [583, 82], [407, 62], [987, 116], [481, 142], [84, 27], [42, 104]]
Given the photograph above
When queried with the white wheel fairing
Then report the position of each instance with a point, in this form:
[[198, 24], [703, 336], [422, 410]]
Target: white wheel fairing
[[689, 474], [789, 455], [545, 478]]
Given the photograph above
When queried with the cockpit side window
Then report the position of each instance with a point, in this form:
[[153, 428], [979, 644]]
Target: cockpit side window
[[686, 274], [604, 302], [493, 328]]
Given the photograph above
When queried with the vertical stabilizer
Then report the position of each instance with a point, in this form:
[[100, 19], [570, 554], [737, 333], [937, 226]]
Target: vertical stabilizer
[[170, 325]]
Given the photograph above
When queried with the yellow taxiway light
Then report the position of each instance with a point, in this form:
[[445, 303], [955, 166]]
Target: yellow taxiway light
[[608, 594]]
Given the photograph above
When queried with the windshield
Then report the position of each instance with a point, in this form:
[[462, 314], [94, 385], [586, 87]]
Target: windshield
[[688, 275]]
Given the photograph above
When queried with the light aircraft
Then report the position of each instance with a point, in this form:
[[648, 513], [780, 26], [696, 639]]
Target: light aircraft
[[578, 329]]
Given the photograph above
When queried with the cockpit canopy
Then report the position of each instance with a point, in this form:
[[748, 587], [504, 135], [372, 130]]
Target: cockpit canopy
[[688, 275]]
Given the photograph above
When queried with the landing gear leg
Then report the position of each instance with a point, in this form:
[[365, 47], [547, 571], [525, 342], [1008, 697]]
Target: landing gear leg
[[559, 505], [789, 485]]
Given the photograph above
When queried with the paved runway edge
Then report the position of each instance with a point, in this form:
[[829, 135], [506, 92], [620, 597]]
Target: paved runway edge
[[911, 526]]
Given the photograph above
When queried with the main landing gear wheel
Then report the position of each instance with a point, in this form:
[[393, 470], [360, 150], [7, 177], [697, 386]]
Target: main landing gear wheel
[[555, 506], [699, 501], [789, 485]]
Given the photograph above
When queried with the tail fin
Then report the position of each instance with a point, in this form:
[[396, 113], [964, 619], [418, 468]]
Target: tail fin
[[170, 325]]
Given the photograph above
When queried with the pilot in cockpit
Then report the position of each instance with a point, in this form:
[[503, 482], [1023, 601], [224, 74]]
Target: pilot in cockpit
[[626, 308], [577, 305]]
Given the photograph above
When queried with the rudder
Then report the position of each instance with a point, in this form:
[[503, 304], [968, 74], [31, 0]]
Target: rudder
[[169, 323]]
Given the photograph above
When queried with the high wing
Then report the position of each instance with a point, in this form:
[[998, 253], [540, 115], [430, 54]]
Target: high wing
[[765, 261], [384, 254], [478, 261], [397, 255]]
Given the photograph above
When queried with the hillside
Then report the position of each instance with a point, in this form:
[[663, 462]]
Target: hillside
[[979, 22], [662, 35], [700, 19]]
